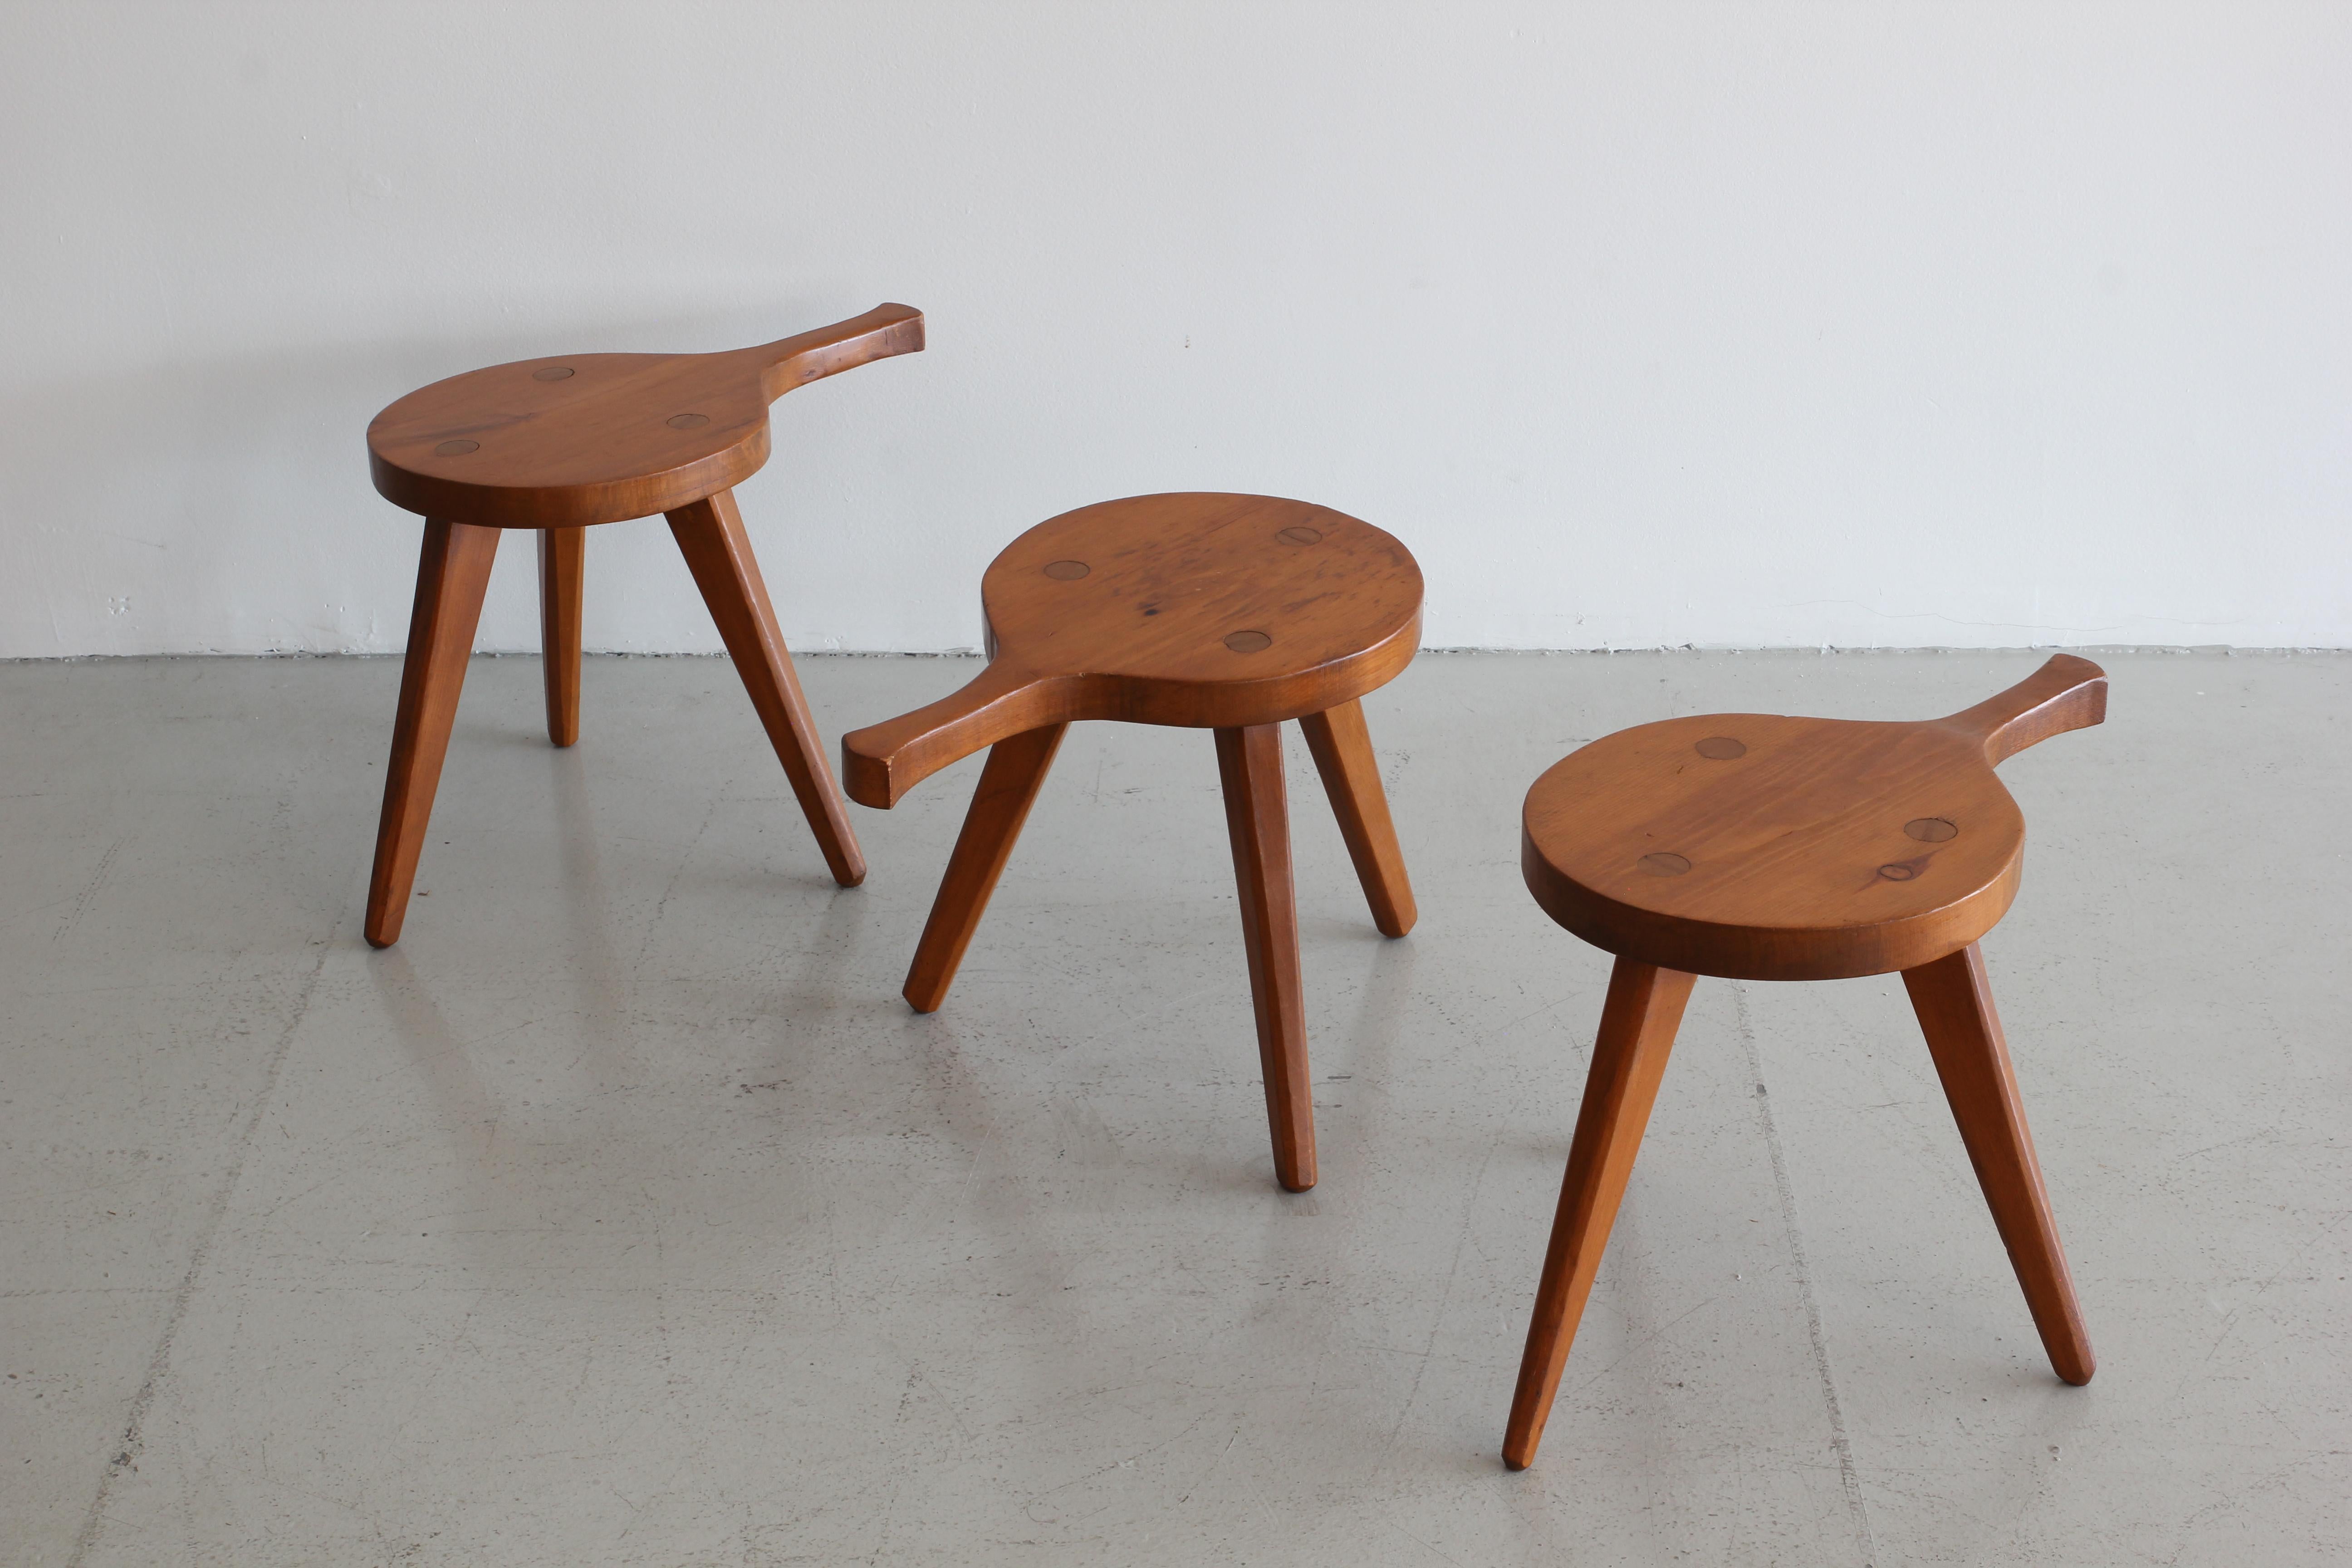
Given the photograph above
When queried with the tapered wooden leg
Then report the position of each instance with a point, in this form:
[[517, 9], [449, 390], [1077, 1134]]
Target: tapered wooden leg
[[452, 573], [562, 553], [1644, 1007], [1249, 761], [1954, 1001], [1008, 787], [1351, 776], [710, 533]]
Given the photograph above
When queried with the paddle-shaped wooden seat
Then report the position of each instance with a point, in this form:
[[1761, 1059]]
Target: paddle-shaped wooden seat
[[558, 444], [1762, 847], [1225, 612]]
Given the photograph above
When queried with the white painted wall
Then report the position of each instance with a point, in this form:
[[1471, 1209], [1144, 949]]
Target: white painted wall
[[1983, 323]]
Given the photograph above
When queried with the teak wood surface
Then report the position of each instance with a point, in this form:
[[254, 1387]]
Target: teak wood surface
[[1201, 610], [562, 584], [1232, 613], [1794, 850], [1258, 819], [1757, 846], [573, 439], [559, 443]]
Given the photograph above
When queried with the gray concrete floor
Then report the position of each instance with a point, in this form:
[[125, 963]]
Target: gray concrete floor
[[623, 1214]]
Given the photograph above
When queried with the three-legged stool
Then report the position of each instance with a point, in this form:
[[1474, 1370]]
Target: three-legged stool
[[1757, 847], [558, 444], [1225, 612]]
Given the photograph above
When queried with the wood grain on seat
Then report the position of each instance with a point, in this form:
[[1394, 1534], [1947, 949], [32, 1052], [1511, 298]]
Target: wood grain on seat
[[1195, 609], [1759, 846], [573, 439]]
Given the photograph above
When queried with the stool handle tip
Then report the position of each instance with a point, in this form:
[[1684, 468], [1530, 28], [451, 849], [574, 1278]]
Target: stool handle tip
[[2067, 693], [880, 333], [882, 762]]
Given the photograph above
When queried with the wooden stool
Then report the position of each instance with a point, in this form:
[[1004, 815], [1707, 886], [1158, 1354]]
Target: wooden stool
[[1225, 612], [558, 444], [1757, 847]]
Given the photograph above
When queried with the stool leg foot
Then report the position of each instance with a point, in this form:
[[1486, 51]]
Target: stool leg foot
[[562, 554], [1954, 1001], [452, 573], [1008, 788], [710, 535], [1258, 814], [1351, 776], [1644, 1007]]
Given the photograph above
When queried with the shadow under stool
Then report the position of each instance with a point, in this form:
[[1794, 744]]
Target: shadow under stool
[[559, 445], [1757, 846], [1231, 613]]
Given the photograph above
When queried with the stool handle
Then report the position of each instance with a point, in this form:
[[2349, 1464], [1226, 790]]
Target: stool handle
[[804, 357], [882, 762], [2067, 693]]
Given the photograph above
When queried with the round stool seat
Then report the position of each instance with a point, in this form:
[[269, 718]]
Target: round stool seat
[[1205, 610], [588, 438], [1759, 846]]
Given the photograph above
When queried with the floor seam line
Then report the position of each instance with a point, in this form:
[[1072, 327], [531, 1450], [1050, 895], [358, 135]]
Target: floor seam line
[[86, 1537], [1848, 1475]]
